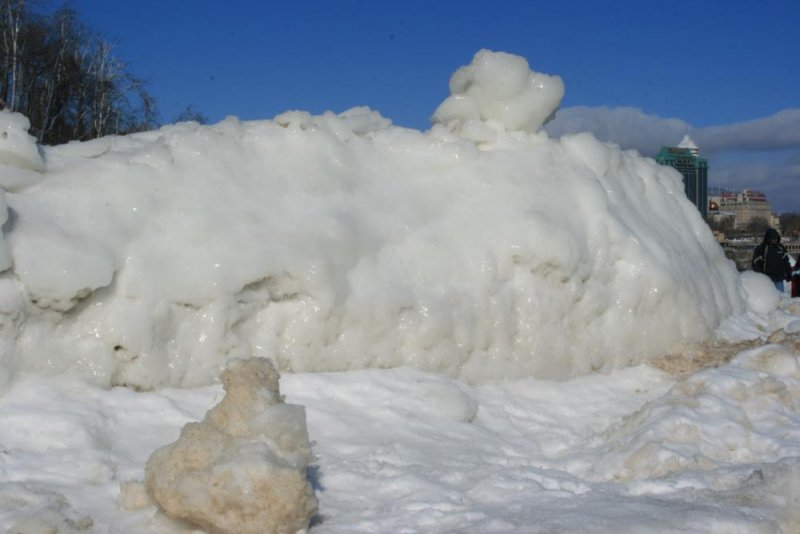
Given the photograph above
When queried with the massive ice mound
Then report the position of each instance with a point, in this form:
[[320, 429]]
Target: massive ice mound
[[337, 242]]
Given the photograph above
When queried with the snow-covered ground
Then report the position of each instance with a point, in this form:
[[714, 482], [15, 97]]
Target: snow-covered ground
[[490, 330], [403, 450]]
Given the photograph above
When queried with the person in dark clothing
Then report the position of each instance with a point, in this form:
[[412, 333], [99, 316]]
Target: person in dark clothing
[[771, 258]]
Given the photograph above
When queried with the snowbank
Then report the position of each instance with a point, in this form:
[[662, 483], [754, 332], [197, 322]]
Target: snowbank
[[338, 242], [709, 420], [401, 450], [243, 468]]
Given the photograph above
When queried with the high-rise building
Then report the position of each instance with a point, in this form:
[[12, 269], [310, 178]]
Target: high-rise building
[[686, 160]]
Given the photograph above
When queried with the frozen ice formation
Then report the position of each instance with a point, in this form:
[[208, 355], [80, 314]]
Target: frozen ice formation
[[340, 241], [498, 89], [20, 160], [243, 469]]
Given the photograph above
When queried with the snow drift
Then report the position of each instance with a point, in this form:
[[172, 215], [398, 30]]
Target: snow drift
[[481, 248]]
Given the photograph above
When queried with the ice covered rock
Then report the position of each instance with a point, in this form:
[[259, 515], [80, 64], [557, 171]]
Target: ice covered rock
[[243, 468]]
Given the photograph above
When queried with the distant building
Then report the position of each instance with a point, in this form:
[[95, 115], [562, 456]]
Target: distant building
[[744, 206], [715, 210], [685, 159], [747, 205]]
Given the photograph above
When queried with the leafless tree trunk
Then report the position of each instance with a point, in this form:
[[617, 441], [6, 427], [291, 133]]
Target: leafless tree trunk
[[11, 25], [66, 79], [51, 111]]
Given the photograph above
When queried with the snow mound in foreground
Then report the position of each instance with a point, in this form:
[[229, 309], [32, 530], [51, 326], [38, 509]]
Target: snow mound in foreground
[[740, 413], [760, 292], [338, 242], [243, 468]]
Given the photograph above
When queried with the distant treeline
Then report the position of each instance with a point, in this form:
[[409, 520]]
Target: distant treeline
[[790, 226], [65, 78]]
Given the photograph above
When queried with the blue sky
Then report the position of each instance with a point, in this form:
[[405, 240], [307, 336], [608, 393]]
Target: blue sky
[[714, 67]]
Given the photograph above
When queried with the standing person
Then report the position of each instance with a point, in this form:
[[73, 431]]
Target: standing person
[[771, 258], [795, 284]]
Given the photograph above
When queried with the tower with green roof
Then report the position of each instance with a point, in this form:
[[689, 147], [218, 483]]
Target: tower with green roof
[[685, 159]]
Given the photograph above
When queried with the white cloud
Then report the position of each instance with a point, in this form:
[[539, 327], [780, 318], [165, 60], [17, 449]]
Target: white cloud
[[777, 176], [627, 127], [777, 132], [760, 154]]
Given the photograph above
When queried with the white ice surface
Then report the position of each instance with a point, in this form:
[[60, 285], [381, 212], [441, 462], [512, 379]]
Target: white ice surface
[[18, 150], [409, 451], [339, 242], [479, 261]]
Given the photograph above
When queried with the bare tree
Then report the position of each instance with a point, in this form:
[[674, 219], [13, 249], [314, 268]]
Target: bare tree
[[10, 30], [66, 79], [189, 113], [757, 226]]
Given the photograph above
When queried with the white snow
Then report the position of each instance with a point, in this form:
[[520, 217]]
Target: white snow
[[498, 91], [17, 147], [761, 295], [466, 314], [341, 242]]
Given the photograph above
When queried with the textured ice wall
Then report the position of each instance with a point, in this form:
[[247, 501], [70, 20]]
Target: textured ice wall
[[337, 242]]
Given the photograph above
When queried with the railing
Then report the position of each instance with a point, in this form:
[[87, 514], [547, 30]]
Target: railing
[[741, 252], [793, 247]]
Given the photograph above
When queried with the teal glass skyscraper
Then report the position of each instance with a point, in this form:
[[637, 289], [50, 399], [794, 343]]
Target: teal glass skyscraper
[[684, 158]]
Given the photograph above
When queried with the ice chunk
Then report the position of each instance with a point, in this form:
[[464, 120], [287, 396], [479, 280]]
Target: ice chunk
[[18, 149], [760, 292], [500, 87], [243, 468]]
